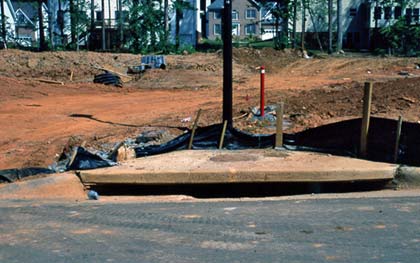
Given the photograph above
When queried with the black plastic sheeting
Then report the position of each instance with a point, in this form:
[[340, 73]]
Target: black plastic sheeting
[[85, 160], [11, 175], [341, 138]]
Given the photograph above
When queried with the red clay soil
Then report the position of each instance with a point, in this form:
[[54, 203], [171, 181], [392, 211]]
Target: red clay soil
[[37, 123]]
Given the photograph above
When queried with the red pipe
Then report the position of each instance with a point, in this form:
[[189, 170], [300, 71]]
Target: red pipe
[[262, 91]]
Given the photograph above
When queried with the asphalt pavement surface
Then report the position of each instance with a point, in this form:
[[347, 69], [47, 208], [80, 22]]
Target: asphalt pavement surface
[[325, 230]]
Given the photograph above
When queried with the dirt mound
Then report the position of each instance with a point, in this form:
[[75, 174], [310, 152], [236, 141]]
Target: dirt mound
[[271, 59], [58, 65], [311, 108]]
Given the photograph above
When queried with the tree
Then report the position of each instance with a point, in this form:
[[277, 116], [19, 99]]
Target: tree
[[302, 37], [339, 26], [3, 22], [179, 6], [42, 43], [330, 30], [103, 39], [402, 36], [295, 6], [146, 25]]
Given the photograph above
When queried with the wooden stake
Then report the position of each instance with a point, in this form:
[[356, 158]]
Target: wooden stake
[[74, 153], [397, 138], [193, 129], [71, 75], [367, 101], [50, 81], [222, 137], [279, 132]]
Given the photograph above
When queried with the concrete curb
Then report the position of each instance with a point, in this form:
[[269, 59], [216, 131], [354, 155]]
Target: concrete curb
[[407, 177], [55, 186]]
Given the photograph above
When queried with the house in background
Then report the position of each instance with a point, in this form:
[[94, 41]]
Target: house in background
[[246, 19], [26, 21], [360, 19]]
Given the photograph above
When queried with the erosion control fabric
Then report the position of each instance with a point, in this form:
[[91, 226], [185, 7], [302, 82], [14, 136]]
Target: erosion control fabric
[[341, 138]]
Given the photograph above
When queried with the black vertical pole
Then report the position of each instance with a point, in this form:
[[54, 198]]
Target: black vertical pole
[[227, 61]]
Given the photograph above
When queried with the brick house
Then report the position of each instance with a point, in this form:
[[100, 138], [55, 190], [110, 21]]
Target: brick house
[[246, 19]]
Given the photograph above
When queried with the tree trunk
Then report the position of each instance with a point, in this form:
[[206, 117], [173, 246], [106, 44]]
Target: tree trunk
[[178, 14], [120, 26], [165, 21], [109, 14], [285, 23], [72, 22], [92, 23], [42, 43], [330, 31], [103, 25], [339, 26], [61, 22], [302, 37], [51, 24], [294, 22], [3, 22], [316, 29]]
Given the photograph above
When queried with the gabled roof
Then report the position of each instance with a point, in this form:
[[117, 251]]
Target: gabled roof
[[219, 4], [29, 8], [216, 5]]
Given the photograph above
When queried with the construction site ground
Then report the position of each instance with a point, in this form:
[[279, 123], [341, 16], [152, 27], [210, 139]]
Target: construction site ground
[[39, 120]]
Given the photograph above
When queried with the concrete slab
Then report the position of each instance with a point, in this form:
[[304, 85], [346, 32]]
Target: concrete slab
[[244, 166], [65, 186]]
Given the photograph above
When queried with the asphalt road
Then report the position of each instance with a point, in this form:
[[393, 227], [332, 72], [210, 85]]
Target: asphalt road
[[332, 230]]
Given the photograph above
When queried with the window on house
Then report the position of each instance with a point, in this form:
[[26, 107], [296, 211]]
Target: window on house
[[377, 13], [124, 15], [236, 29], [409, 14], [99, 15], [250, 29], [397, 12], [387, 12], [353, 11], [235, 15], [217, 15], [416, 14], [251, 14], [217, 29]]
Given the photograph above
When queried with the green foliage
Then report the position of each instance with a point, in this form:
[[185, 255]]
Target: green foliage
[[146, 26], [401, 36]]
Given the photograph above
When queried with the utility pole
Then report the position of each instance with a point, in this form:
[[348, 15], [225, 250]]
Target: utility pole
[[3, 22], [103, 26], [339, 26], [227, 62]]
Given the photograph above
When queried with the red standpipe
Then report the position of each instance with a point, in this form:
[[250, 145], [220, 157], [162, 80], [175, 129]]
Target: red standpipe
[[262, 68]]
